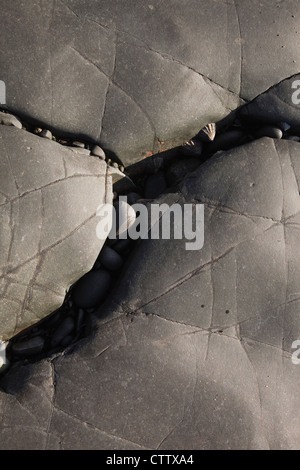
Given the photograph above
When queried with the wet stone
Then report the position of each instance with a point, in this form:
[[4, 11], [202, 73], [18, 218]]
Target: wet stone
[[91, 289], [63, 330], [29, 347], [269, 131], [110, 259], [79, 319], [122, 245]]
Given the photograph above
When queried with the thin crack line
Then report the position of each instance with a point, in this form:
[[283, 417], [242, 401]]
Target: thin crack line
[[95, 428]]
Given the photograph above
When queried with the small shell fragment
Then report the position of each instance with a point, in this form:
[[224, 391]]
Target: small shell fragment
[[207, 133]]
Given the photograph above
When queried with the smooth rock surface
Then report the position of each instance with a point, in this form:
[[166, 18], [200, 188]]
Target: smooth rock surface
[[48, 203], [79, 81], [199, 354]]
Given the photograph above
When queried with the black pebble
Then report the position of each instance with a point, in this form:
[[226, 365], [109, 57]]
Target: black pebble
[[110, 259], [268, 131], [63, 330], [91, 289], [29, 347], [122, 245]]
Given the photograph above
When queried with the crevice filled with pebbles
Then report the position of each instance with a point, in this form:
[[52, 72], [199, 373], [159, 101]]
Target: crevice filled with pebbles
[[140, 183]]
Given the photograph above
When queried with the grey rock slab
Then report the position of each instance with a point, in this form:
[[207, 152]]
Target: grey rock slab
[[80, 82], [269, 43], [48, 224], [99, 70], [192, 349]]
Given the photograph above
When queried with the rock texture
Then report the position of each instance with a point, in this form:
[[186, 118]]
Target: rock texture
[[191, 350], [48, 202], [142, 76], [198, 355]]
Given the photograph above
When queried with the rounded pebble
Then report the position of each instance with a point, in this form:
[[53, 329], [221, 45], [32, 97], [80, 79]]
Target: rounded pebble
[[46, 134], [110, 259], [64, 329], [66, 341], [269, 131], [10, 120], [29, 347], [155, 185], [76, 143], [122, 245], [91, 289], [98, 152], [79, 319]]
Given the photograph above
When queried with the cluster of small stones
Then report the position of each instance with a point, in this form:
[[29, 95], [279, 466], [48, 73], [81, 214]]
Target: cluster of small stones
[[79, 147], [147, 180]]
